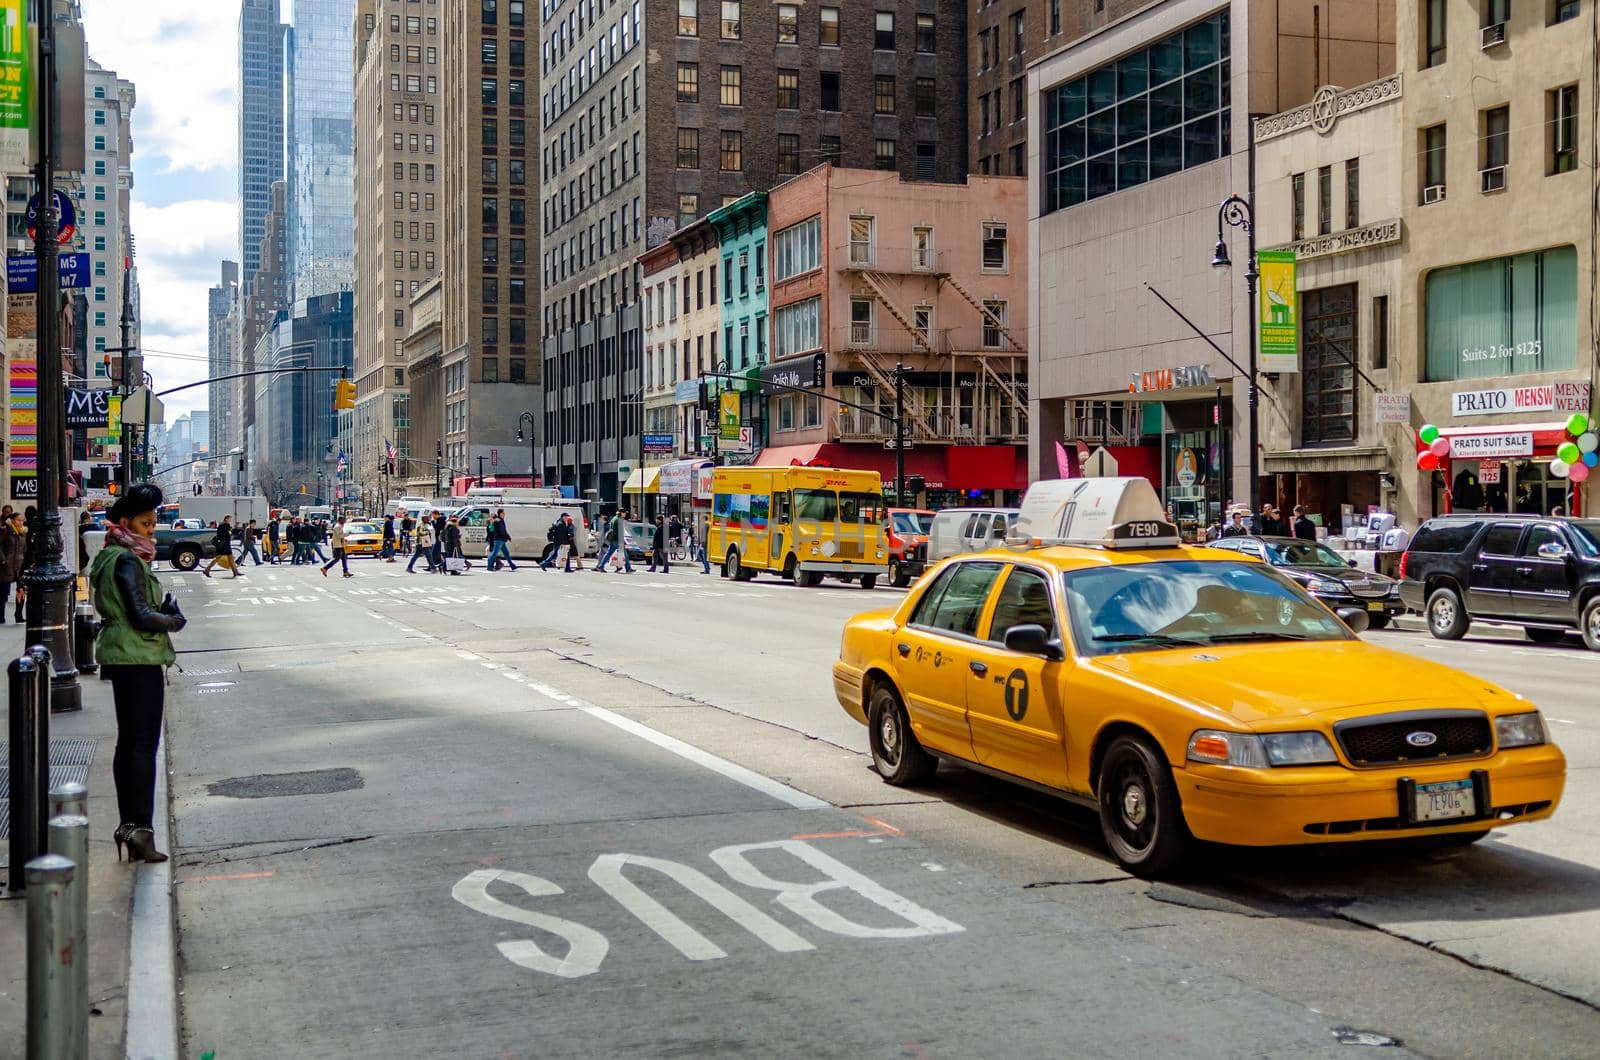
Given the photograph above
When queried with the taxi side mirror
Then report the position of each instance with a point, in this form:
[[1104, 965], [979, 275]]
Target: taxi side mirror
[[1354, 617], [1033, 639]]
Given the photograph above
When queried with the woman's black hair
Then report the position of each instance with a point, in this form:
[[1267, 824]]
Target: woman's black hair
[[139, 499]]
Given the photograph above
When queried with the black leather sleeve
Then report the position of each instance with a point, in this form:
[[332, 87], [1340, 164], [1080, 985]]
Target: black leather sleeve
[[129, 576]]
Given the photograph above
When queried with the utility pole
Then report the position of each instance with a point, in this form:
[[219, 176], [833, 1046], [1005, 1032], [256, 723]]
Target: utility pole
[[132, 368], [480, 470], [49, 582]]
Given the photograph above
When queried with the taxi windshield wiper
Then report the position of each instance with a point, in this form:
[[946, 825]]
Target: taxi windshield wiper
[[1223, 638], [1147, 638]]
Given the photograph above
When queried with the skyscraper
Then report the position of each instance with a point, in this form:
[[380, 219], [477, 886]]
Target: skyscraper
[[222, 357], [321, 192], [261, 129]]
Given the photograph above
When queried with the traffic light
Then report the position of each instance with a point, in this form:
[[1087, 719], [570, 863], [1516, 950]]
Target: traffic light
[[344, 394]]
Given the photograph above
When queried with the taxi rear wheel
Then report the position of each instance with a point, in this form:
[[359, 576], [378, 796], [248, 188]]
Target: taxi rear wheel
[[896, 754], [1139, 812]]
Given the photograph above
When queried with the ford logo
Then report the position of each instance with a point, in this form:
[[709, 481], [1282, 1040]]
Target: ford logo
[[1421, 739]]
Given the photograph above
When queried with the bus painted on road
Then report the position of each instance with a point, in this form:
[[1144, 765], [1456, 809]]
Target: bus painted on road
[[800, 522]]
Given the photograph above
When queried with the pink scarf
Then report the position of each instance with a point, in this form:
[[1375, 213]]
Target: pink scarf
[[143, 547]]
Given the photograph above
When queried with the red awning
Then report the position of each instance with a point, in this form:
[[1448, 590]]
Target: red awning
[[1545, 435], [964, 467]]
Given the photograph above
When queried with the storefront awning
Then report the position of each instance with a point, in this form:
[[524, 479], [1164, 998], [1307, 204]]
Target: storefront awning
[[643, 480], [1546, 436], [956, 467]]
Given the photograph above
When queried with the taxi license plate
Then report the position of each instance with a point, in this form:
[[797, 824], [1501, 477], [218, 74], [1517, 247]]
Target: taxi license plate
[[1374, 605], [1444, 801]]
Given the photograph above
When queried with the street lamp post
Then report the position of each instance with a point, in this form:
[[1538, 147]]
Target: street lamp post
[[1235, 212], [533, 445], [48, 580]]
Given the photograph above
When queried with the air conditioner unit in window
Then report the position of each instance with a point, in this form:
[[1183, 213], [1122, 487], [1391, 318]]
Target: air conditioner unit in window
[[1493, 35], [1433, 193], [1494, 179]]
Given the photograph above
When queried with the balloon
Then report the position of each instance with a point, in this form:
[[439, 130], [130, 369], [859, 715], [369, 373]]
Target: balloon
[[1577, 423], [1428, 433], [1440, 447], [1426, 461], [1591, 459], [1578, 472], [1589, 441], [1559, 468], [1569, 452]]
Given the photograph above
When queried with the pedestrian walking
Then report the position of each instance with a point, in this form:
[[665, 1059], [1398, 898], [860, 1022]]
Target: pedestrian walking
[[13, 545], [615, 540], [675, 537], [1304, 528], [339, 555], [273, 533], [422, 539], [316, 534], [499, 541], [658, 547], [452, 547], [563, 535], [408, 526], [388, 539], [223, 543], [439, 522], [134, 648], [252, 534]]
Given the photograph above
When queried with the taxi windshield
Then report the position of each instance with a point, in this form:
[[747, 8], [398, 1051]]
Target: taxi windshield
[[361, 528], [1187, 603], [1291, 553]]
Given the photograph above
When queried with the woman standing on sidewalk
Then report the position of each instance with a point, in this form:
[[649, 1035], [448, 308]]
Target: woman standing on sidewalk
[[13, 543], [134, 648]]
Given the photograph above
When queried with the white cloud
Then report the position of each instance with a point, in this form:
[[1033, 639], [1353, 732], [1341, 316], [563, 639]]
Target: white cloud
[[180, 250], [182, 57]]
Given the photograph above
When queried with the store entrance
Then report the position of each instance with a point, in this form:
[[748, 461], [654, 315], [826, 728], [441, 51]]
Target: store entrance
[[1522, 486], [1194, 472]]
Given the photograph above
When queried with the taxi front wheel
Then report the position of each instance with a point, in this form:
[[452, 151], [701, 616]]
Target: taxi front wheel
[[896, 754], [1140, 816]]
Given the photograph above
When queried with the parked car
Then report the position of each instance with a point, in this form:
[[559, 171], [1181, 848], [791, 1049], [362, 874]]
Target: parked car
[[1541, 573], [1325, 575], [908, 543], [958, 530]]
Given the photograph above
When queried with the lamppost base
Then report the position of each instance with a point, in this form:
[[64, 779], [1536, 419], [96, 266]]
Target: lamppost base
[[66, 693]]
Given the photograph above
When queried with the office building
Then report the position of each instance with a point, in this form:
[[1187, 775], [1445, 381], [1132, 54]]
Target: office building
[[295, 421], [424, 475], [265, 302], [104, 191], [222, 358], [261, 122], [319, 148]]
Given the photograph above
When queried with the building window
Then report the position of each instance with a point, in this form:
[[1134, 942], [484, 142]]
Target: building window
[[1324, 200], [1504, 316], [1298, 191], [797, 328], [1494, 147], [883, 154], [688, 210], [490, 91], [688, 148], [927, 39], [828, 27], [1563, 10], [862, 321], [688, 18], [830, 149], [1019, 23], [788, 24], [788, 153], [730, 20], [996, 257], [828, 89], [732, 151], [1019, 99], [1352, 193], [883, 31], [489, 12], [1329, 349], [1433, 36], [491, 250], [516, 14], [489, 52], [516, 92], [1433, 147], [927, 99], [1561, 116], [491, 367], [1055, 17], [688, 83], [922, 248], [732, 77], [788, 89], [883, 95], [994, 322], [1380, 331], [1160, 110], [922, 322], [927, 161], [797, 249]]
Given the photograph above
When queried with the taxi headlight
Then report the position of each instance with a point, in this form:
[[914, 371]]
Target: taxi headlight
[[1298, 748], [1520, 730], [1260, 752]]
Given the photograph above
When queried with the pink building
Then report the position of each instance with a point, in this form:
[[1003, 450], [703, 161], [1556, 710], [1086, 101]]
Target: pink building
[[871, 272]]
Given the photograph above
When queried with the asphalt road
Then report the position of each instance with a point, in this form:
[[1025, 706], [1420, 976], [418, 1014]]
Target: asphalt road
[[587, 815]]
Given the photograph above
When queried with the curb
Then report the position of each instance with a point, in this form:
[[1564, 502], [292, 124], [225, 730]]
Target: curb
[[152, 1027]]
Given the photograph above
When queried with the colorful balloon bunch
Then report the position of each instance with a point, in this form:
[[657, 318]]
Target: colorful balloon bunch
[[1576, 457], [1436, 451]]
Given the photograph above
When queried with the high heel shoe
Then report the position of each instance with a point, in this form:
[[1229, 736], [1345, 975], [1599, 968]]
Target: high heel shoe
[[142, 846], [120, 837]]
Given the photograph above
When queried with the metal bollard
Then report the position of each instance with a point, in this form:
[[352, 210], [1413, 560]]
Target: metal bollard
[[69, 798], [85, 628], [23, 685], [39, 796], [69, 837], [51, 1006]]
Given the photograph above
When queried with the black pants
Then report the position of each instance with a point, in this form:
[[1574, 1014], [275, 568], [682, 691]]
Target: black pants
[[5, 597], [339, 558], [139, 692]]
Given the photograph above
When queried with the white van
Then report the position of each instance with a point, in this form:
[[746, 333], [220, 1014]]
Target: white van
[[959, 530], [528, 525]]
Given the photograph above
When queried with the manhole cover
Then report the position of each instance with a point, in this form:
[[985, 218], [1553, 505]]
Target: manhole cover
[[276, 785]]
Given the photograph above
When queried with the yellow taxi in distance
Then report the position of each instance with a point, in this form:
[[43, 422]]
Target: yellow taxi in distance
[[363, 539], [1184, 693]]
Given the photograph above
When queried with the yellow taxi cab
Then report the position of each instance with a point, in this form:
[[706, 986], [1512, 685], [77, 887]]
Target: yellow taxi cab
[[363, 539], [1184, 693]]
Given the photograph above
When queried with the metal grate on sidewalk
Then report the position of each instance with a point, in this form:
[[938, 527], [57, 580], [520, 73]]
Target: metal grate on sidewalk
[[69, 763]]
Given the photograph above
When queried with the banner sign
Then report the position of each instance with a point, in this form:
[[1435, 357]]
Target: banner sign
[[22, 272], [1392, 408], [16, 84], [658, 443], [1476, 446], [730, 416], [804, 372], [88, 408], [1564, 397], [1280, 312]]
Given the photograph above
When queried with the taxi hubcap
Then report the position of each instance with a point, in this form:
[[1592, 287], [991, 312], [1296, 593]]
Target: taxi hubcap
[[1133, 805], [889, 736]]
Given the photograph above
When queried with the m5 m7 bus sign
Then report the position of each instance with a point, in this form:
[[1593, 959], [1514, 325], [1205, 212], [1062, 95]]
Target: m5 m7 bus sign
[[1562, 397]]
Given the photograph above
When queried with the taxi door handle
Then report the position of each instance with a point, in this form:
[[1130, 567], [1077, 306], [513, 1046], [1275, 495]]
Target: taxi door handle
[[978, 668], [904, 649]]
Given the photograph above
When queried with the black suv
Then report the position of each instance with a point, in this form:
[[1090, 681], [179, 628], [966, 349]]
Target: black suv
[[1541, 573]]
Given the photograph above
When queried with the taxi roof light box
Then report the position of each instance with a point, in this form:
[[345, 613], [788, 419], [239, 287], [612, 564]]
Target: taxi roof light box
[[1097, 512]]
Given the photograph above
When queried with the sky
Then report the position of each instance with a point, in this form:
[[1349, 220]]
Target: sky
[[181, 57]]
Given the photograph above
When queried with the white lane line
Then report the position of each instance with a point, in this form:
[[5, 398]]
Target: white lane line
[[749, 778]]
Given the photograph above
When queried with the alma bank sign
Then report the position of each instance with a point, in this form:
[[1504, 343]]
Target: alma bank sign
[[1564, 397]]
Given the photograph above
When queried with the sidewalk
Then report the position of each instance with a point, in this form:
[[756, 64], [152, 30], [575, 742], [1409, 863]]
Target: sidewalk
[[111, 903]]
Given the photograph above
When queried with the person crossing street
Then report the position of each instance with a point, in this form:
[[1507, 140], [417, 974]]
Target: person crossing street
[[272, 541], [499, 542], [660, 546], [339, 555], [422, 540], [616, 540], [388, 539], [223, 542], [252, 534]]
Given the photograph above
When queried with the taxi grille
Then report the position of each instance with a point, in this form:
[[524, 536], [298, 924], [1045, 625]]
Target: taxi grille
[[1383, 741]]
